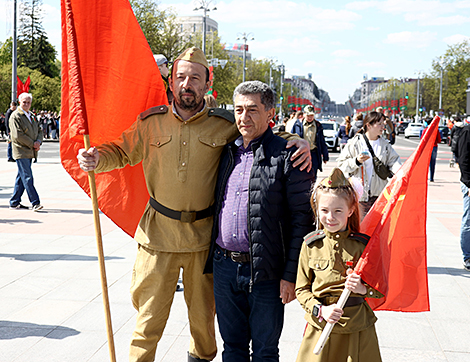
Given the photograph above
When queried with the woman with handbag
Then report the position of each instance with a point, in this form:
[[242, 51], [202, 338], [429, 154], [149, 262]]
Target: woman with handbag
[[370, 158]]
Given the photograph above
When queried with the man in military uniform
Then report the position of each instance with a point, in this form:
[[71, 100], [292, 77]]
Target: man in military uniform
[[180, 148]]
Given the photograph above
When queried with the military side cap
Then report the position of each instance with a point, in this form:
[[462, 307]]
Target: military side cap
[[193, 55], [335, 179]]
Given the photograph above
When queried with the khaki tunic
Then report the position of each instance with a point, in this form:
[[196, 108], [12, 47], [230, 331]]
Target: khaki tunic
[[180, 161], [322, 275]]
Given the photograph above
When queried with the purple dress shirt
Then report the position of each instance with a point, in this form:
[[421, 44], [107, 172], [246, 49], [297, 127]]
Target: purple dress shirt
[[233, 218]]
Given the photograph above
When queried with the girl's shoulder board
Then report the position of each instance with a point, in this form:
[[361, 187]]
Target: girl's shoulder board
[[363, 238], [314, 236]]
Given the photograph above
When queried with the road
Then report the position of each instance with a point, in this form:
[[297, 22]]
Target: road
[[404, 147]]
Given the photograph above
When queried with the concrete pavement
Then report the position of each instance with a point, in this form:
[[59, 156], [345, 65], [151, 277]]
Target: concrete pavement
[[50, 294]]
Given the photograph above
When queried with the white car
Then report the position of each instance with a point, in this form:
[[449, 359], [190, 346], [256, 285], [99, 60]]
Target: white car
[[413, 130], [330, 131]]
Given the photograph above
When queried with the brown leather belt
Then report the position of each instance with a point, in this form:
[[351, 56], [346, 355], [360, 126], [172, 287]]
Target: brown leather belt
[[236, 256], [352, 301], [183, 216]]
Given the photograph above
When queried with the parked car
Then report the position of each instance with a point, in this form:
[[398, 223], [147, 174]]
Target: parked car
[[330, 131], [413, 130], [401, 127], [445, 134]]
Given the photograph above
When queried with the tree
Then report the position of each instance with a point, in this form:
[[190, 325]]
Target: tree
[[6, 51], [45, 90], [34, 49], [160, 28]]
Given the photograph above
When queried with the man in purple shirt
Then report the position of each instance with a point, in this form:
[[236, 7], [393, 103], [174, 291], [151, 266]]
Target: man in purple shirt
[[262, 213]]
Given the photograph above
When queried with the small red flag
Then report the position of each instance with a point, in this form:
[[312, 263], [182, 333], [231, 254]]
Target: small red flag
[[394, 261], [109, 76]]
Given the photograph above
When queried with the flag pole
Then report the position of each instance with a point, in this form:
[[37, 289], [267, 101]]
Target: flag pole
[[99, 244], [329, 326]]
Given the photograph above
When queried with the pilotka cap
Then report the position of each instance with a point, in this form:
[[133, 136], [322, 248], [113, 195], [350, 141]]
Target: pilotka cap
[[335, 179], [194, 55]]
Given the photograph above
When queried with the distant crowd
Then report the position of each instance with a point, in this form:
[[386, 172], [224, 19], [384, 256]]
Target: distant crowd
[[48, 121]]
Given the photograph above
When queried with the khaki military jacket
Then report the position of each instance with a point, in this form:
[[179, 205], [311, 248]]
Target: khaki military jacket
[[23, 134], [180, 161], [321, 275]]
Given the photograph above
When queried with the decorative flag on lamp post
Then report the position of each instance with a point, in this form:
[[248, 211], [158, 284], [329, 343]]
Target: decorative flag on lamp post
[[394, 261], [109, 76], [22, 88]]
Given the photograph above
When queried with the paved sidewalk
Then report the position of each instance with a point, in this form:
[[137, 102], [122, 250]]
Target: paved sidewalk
[[50, 294]]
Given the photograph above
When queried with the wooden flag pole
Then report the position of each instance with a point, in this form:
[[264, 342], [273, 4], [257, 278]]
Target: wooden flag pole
[[329, 326], [99, 244]]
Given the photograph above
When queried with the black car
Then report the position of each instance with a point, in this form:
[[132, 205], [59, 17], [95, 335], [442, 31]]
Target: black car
[[401, 127]]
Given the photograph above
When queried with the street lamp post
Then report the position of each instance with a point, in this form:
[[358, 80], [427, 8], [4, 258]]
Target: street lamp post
[[282, 70], [14, 96], [417, 99], [442, 65], [204, 5], [244, 36]]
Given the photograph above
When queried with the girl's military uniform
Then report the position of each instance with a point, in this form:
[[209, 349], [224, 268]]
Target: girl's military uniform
[[321, 277]]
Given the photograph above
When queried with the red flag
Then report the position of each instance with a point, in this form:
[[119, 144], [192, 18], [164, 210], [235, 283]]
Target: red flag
[[394, 261], [109, 76], [19, 86]]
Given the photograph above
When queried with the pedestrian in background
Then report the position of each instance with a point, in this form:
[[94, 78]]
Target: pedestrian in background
[[343, 132], [356, 159], [290, 122], [326, 262], [8, 113], [26, 138], [463, 159], [389, 132], [437, 140], [455, 134], [312, 131], [357, 125]]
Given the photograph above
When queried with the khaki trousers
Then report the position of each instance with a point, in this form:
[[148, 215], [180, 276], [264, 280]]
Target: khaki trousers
[[153, 287]]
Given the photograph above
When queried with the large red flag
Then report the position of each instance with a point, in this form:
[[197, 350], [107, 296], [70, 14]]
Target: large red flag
[[394, 261], [109, 76]]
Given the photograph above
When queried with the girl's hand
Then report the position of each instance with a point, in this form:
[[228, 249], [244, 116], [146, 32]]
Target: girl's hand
[[354, 284], [331, 313]]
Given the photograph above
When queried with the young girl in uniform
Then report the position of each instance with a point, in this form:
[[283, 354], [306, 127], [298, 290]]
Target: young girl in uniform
[[325, 259]]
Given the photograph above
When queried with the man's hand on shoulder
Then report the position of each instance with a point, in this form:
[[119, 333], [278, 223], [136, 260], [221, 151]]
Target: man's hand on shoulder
[[88, 160], [302, 156], [287, 291]]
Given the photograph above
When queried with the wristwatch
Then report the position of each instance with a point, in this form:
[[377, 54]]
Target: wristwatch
[[316, 310]]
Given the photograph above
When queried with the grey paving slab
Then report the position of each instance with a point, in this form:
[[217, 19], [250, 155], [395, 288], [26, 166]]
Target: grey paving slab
[[50, 298]]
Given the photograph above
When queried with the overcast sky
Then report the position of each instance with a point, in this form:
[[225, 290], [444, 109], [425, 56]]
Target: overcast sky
[[337, 41]]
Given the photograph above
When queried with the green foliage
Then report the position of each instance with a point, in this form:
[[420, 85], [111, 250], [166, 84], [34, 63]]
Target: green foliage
[[34, 49], [6, 51], [160, 28], [45, 90], [456, 69]]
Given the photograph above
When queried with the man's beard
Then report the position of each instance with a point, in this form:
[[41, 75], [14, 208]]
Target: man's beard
[[188, 104]]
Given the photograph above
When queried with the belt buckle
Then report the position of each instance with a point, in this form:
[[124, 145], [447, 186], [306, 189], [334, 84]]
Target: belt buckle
[[188, 216], [235, 256]]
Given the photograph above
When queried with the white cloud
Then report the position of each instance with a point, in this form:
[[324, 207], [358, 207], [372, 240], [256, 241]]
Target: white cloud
[[422, 12], [312, 64], [284, 17], [346, 53], [372, 65], [411, 39], [282, 45], [457, 38]]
